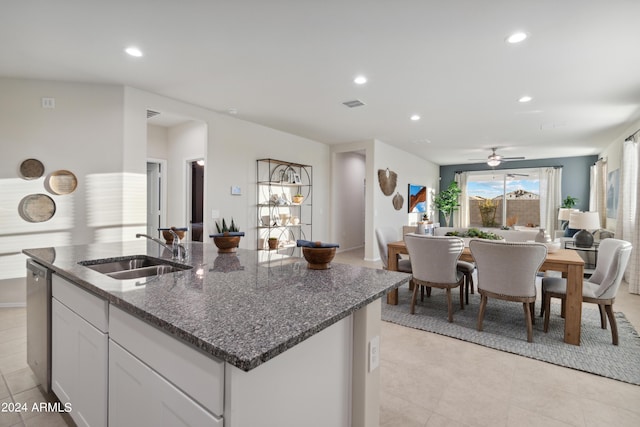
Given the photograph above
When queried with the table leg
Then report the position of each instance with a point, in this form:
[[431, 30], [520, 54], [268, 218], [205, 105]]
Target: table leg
[[573, 313], [392, 265]]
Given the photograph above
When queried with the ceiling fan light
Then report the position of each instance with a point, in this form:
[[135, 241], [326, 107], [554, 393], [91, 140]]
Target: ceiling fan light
[[493, 162]]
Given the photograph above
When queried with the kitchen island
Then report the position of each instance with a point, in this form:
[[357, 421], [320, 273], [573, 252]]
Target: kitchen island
[[242, 341]]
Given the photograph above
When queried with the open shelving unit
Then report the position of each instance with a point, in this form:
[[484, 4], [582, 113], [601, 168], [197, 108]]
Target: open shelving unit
[[279, 213]]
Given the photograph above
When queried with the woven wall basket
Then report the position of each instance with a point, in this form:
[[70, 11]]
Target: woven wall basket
[[388, 180]]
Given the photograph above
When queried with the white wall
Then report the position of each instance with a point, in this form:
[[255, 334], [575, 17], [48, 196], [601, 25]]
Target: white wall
[[157, 142], [82, 134]]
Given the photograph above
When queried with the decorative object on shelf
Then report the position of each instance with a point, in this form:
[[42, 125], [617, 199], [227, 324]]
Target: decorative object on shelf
[[295, 220], [298, 198], [542, 236], [398, 201], [61, 182], [168, 235], [273, 243], [387, 180], [31, 169], [266, 220], [584, 221], [37, 208], [284, 218], [317, 254], [417, 198], [447, 202], [228, 237]]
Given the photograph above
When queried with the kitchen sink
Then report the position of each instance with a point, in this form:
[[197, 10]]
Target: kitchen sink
[[134, 267]]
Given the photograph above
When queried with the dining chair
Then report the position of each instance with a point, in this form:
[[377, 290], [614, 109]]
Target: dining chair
[[601, 288], [507, 271], [434, 265], [384, 236]]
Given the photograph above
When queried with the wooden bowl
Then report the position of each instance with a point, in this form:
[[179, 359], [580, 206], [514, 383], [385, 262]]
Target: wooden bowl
[[168, 237], [227, 244], [318, 258]]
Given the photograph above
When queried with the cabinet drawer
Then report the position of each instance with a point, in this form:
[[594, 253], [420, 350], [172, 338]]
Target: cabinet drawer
[[196, 374], [85, 304]]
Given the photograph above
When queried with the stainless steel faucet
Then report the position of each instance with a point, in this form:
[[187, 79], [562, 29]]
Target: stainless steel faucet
[[178, 251]]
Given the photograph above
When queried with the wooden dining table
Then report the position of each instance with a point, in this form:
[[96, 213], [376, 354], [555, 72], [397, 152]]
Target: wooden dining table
[[566, 261]]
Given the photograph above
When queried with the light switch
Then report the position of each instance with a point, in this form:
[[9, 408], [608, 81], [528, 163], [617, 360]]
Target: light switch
[[374, 353]]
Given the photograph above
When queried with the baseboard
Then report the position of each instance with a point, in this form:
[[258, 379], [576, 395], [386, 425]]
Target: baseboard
[[12, 304]]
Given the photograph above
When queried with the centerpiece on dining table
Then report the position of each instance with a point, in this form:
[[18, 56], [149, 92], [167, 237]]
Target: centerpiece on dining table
[[475, 233]]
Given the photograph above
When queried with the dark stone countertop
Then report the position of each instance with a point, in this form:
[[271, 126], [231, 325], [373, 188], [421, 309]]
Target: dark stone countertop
[[243, 308]]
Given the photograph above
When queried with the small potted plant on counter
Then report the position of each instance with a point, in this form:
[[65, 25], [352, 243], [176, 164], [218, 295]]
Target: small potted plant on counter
[[227, 239], [273, 243]]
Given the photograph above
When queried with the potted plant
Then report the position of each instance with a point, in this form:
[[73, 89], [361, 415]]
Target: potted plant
[[298, 198], [569, 202], [447, 202], [273, 243], [228, 237]]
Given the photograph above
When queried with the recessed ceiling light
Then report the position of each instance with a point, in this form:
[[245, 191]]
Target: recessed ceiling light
[[525, 98], [517, 37], [415, 117], [360, 80], [133, 51]]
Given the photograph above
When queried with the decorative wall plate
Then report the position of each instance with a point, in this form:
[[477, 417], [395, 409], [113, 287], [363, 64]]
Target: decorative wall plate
[[37, 208], [398, 201], [387, 180], [62, 182], [31, 169]]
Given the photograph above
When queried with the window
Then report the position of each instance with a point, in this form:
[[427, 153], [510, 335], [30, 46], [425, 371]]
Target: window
[[487, 190]]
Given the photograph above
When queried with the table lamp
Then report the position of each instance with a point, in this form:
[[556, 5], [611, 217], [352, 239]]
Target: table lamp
[[584, 221], [564, 214]]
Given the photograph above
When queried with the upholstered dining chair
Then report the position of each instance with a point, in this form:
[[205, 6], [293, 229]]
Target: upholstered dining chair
[[507, 271], [384, 236], [601, 288], [434, 265]]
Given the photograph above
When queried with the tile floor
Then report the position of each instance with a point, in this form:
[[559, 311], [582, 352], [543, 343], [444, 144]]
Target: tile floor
[[427, 380], [430, 381]]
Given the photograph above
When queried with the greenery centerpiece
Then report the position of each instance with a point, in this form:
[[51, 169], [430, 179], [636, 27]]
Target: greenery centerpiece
[[447, 202], [475, 234]]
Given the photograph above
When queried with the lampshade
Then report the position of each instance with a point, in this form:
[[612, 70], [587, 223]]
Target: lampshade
[[584, 220], [565, 213]]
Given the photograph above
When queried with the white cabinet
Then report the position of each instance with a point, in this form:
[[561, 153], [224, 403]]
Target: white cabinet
[[79, 361], [138, 396]]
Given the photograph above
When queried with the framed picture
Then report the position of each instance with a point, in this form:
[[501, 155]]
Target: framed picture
[[295, 179], [417, 198]]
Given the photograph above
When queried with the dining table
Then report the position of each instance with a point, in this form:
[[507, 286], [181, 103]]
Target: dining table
[[566, 261]]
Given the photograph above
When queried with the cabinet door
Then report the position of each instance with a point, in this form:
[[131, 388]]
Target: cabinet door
[[79, 366], [139, 396]]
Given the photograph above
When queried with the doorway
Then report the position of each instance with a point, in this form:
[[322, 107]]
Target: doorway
[[156, 196], [196, 194]]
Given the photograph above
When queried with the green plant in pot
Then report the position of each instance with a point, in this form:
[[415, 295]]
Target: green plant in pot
[[569, 202], [228, 238], [447, 202]]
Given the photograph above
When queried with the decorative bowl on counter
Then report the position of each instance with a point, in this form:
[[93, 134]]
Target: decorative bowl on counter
[[318, 258]]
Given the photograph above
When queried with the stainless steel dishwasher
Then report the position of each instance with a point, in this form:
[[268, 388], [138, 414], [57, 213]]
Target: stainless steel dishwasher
[[39, 322]]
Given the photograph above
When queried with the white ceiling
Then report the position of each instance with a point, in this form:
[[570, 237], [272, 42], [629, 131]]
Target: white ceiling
[[289, 64]]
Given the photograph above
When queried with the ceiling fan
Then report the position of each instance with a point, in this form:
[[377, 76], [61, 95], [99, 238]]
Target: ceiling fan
[[495, 159]]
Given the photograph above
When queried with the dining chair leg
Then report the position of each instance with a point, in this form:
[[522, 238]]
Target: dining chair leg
[[422, 293], [532, 308], [449, 305], [412, 309], [547, 308], [462, 297], [603, 319], [612, 321], [542, 307], [563, 307], [527, 316], [466, 288], [428, 291], [483, 306]]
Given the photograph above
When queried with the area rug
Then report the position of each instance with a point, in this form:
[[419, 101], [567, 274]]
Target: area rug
[[504, 329]]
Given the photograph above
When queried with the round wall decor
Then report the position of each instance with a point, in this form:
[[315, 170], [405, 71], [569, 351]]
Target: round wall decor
[[31, 169], [61, 182], [37, 208]]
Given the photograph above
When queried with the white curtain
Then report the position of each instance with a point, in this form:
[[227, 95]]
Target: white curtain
[[550, 198], [461, 216], [598, 191], [627, 222]]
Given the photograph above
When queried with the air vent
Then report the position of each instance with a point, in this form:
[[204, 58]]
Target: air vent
[[151, 113], [354, 103]]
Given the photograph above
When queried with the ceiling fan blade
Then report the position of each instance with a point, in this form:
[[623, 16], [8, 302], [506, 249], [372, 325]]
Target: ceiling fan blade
[[512, 158]]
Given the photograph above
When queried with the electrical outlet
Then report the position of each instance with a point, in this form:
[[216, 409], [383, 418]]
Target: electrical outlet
[[374, 353], [48, 103], [215, 214]]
